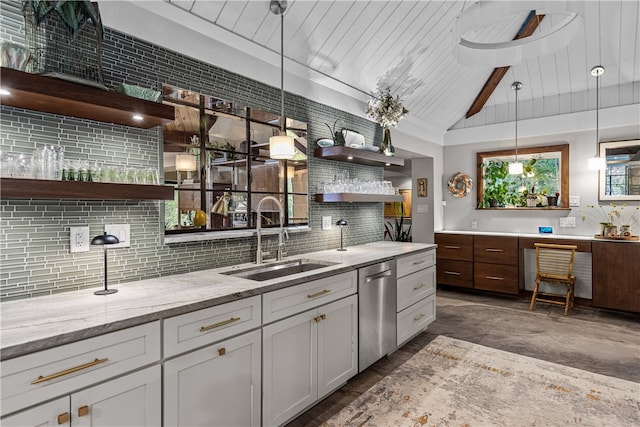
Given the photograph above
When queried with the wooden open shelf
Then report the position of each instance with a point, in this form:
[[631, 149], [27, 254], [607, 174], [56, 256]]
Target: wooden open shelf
[[352, 155], [16, 188], [355, 197], [57, 96]]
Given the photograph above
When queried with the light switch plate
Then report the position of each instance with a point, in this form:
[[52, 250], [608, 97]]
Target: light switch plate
[[568, 222], [79, 239], [326, 223], [122, 232], [574, 200]]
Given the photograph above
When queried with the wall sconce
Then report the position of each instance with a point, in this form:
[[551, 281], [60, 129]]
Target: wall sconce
[[516, 168], [105, 240], [342, 223], [281, 147]]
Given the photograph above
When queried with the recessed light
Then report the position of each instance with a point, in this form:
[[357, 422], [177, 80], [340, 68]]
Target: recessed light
[[387, 164], [138, 117], [3, 91], [350, 158]]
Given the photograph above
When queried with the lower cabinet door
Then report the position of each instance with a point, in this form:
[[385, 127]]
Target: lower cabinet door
[[218, 385], [54, 413], [337, 344], [289, 367], [131, 400]]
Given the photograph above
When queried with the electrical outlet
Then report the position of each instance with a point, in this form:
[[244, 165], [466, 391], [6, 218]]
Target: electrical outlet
[[122, 232], [326, 223], [568, 222], [79, 239], [474, 224]]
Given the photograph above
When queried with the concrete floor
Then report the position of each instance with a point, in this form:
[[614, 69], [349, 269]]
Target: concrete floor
[[599, 341]]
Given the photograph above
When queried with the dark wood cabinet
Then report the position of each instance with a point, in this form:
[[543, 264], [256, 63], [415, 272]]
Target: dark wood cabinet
[[616, 275], [495, 264], [454, 259]]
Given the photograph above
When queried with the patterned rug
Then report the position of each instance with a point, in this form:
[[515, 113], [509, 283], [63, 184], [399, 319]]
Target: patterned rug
[[457, 383]]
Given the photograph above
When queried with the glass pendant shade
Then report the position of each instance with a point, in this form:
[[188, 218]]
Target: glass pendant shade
[[516, 168], [597, 163], [281, 147]]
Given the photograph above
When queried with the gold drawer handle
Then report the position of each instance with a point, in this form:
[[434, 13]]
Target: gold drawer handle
[[494, 278], [320, 318], [494, 250], [63, 418], [418, 317], [217, 325], [317, 294], [452, 273], [420, 261], [422, 285], [42, 379], [83, 410], [451, 247]]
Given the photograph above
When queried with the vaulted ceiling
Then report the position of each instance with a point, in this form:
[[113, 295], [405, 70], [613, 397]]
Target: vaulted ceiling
[[408, 46]]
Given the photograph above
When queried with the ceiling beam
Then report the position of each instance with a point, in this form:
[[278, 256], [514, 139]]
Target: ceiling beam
[[528, 27]]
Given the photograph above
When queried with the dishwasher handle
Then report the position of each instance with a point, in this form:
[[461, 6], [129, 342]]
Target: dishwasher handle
[[386, 273]]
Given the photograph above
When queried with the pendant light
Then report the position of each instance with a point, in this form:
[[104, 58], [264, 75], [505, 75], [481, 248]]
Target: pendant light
[[516, 168], [597, 162], [281, 146]]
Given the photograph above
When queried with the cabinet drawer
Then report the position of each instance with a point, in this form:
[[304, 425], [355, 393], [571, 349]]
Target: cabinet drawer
[[40, 376], [415, 318], [295, 299], [455, 273], [495, 250], [412, 263], [416, 286], [497, 278], [202, 327], [454, 246]]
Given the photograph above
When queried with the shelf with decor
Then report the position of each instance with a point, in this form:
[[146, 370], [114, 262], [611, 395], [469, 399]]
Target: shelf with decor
[[357, 197], [52, 95], [353, 155], [17, 188]]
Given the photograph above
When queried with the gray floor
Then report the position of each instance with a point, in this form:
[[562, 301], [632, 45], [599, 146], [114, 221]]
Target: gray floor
[[599, 341]]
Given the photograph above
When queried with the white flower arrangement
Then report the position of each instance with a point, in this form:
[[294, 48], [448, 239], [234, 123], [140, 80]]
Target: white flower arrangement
[[612, 214], [385, 109]]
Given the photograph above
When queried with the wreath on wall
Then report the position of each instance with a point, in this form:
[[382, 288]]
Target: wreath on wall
[[460, 185]]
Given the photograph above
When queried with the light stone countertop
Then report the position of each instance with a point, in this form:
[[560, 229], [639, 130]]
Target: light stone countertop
[[35, 324]]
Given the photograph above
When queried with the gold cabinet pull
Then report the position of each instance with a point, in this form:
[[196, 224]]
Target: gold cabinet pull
[[494, 278], [420, 286], [222, 351], [217, 325], [319, 318], [494, 250], [83, 410], [42, 379], [420, 261], [63, 418], [317, 294], [452, 273], [419, 316], [451, 247]]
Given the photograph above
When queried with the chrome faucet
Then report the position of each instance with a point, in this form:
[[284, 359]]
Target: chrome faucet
[[281, 233]]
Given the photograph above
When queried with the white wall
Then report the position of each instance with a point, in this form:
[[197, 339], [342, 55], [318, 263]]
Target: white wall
[[459, 213]]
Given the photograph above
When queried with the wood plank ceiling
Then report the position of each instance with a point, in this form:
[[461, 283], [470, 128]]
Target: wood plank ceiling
[[407, 46]]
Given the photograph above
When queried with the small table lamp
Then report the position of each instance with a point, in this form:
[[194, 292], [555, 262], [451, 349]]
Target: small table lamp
[[105, 240], [341, 222]]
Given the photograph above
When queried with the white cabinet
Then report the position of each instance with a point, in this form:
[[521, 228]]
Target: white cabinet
[[45, 375], [416, 303], [307, 356], [216, 379], [55, 413]]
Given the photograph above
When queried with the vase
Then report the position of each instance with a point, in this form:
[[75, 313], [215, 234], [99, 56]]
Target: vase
[[388, 146]]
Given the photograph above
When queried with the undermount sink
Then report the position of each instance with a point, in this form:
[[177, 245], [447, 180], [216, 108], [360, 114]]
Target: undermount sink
[[280, 269]]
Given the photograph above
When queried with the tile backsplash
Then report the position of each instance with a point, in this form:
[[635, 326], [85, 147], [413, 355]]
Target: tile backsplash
[[34, 234]]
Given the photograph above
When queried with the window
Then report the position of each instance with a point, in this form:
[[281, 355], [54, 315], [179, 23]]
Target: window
[[216, 154], [621, 179], [543, 184]]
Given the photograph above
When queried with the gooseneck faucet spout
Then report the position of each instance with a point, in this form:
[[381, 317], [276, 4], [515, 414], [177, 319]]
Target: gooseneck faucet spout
[[259, 253]]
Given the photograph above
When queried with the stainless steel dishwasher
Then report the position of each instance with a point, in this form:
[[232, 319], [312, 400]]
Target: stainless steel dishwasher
[[377, 312]]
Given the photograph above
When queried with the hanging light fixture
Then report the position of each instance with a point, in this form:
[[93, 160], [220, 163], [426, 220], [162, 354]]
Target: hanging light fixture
[[281, 146], [597, 162], [516, 168]]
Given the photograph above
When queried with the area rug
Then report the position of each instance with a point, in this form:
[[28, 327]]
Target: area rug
[[456, 383]]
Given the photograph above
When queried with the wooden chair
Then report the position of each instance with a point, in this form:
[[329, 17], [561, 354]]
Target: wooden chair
[[554, 264]]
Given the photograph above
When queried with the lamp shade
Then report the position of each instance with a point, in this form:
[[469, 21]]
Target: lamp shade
[[185, 162], [516, 168], [281, 147], [341, 222], [597, 163], [105, 239]]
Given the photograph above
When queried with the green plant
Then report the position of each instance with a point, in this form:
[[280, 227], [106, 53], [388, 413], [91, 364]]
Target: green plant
[[396, 230], [496, 186]]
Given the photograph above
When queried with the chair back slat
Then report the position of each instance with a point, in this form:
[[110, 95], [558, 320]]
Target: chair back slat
[[555, 260]]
